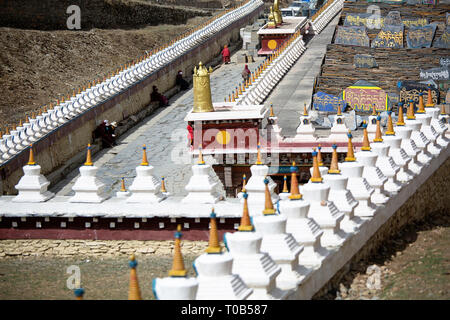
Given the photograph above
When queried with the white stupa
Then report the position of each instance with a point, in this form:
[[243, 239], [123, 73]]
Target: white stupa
[[372, 124], [444, 119], [322, 169], [436, 124], [87, 187], [255, 186], [357, 184], [258, 270], [305, 130], [304, 229], [145, 187], [33, 185], [177, 286], [339, 130], [201, 187], [341, 196], [281, 246], [398, 155], [216, 277], [273, 123], [385, 162], [323, 211], [427, 129]]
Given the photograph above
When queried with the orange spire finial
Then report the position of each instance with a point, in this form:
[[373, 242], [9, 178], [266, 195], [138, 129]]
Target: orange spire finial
[[134, 292], [443, 109], [178, 269], [122, 188], [410, 113], [390, 127], [378, 137], [316, 177], [163, 185], [258, 155], [430, 103], [305, 111], [7, 131], [244, 182], [334, 167], [374, 112], [421, 106], [339, 112], [285, 188], [245, 224], [295, 192], [31, 157], [271, 111], [400, 120], [350, 155], [268, 206], [200, 155], [319, 156], [88, 157], [144, 156], [214, 245], [366, 143]]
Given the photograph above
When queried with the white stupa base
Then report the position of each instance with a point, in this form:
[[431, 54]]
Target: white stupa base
[[284, 195], [442, 141], [145, 187], [255, 188], [378, 197], [392, 185], [175, 288], [200, 197], [33, 186], [87, 187], [338, 137], [201, 186], [305, 136], [215, 278], [122, 194], [405, 175], [312, 255], [322, 169]]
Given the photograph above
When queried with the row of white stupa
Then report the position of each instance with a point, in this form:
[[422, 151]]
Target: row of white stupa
[[259, 90], [20, 138], [293, 237]]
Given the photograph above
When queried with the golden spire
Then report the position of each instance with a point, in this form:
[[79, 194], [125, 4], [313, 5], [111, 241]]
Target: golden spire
[[374, 112], [31, 157], [400, 120], [295, 192], [429, 99], [443, 109], [122, 187], [271, 111], [410, 114], [214, 245], [378, 137], [319, 156], [305, 111], [390, 127], [258, 156], [285, 188], [366, 143], [178, 269], [134, 292], [144, 156], [202, 90], [339, 112], [316, 177], [350, 155], [200, 155], [421, 106], [246, 224], [88, 157], [163, 185], [268, 206], [244, 180], [334, 167]]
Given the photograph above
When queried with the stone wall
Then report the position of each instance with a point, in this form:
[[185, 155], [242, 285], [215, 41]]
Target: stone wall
[[102, 14], [431, 197], [67, 248]]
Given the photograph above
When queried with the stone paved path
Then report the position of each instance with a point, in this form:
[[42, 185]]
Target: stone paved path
[[165, 135], [296, 87]]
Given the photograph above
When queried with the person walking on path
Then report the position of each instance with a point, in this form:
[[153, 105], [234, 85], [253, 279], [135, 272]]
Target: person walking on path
[[226, 55], [246, 73]]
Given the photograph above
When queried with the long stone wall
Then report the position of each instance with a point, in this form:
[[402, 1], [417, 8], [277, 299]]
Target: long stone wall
[[67, 140]]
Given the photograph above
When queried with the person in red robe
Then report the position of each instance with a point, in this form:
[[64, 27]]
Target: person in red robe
[[190, 135], [226, 55]]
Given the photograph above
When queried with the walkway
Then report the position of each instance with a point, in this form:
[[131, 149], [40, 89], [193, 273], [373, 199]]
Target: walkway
[[296, 87]]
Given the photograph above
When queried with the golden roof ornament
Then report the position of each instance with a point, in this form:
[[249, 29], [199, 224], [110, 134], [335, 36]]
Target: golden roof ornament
[[319, 156], [295, 192], [178, 269], [258, 155], [144, 156], [277, 13], [421, 106], [430, 103], [285, 188], [246, 224], [410, 113], [88, 157], [305, 111], [163, 185], [390, 127], [214, 245], [31, 161], [202, 90], [271, 111], [316, 177], [366, 143], [334, 167], [122, 185], [400, 120], [378, 137], [350, 153], [272, 23], [200, 155], [268, 205]]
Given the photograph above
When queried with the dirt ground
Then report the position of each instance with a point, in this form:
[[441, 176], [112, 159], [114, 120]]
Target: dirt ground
[[39, 67]]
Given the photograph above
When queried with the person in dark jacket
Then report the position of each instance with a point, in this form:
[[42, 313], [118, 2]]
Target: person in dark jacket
[[184, 85], [155, 96]]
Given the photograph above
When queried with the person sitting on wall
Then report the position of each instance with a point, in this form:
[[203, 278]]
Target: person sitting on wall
[[155, 96], [226, 55], [105, 131], [184, 85]]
